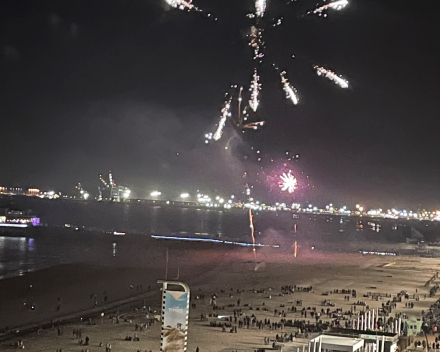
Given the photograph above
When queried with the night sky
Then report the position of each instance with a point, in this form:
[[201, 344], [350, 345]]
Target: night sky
[[133, 86]]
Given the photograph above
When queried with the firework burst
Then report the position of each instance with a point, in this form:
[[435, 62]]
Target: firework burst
[[254, 36], [288, 182]]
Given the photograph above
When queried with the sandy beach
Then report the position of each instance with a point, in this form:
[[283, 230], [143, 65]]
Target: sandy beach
[[207, 270]]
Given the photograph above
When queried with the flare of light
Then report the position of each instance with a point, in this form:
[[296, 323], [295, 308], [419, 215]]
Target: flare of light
[[288, 182], [251, 222], [255, 91], [332, 76], [291, 92], [225, 114], [182, 5], [335, 5], [260, 7]]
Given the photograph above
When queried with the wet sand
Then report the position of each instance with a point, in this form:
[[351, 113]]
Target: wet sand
[[77, 284], [206, 270]]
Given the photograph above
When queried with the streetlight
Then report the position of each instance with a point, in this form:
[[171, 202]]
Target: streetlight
[[126, 193]]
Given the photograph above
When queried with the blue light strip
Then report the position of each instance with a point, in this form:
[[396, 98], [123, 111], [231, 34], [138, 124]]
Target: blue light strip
[[196, 239], [378, 253], [13, 225]]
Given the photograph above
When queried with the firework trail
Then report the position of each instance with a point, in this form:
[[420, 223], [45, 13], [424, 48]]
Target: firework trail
[[290, 91], [239, 105], [335, 5], [251, 221], [182, 5], [256, 42], [255, 89], [288, 182], [321, 71], [254, 125], [225, 114], [260, 7]]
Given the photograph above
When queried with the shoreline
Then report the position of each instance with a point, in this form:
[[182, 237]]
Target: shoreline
[[76, 284], [99, 246]]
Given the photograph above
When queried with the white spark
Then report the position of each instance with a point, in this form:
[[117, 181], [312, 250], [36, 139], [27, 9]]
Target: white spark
[[182, 5], [321, 71], [255, 89], [335, 5], [225, 114], [288, 182], [260, 7], [291, 92]]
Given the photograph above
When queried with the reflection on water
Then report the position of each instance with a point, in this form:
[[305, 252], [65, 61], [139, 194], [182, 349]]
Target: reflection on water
[[17, 256], [31, 245]]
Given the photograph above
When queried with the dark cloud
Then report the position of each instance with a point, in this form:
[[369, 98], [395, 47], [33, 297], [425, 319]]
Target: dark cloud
[[11, 53], [54, 20], [74, 28]]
